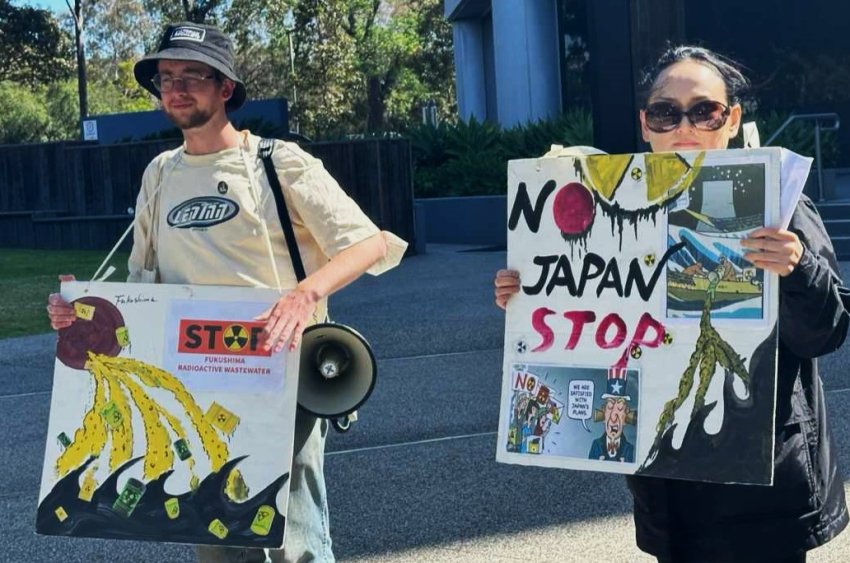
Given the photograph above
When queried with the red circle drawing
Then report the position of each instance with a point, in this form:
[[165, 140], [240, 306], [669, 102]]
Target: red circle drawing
[[574, 209], [97, 335]]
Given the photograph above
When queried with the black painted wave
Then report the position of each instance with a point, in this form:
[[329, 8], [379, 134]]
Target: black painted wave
[[149, 520], [742, 450]]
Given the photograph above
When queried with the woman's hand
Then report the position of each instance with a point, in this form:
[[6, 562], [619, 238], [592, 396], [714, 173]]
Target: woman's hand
[[61, 313], [288, 318], [775, 250], [507, 283]]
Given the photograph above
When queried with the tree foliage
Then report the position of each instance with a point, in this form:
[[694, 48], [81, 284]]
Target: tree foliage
[[117, 31], [197, 11], [33, 47], [346, 66], [389, 57], [50, 112], [24, 117]]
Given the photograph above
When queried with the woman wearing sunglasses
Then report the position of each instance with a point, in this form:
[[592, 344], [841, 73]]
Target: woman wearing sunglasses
[[693, 103]]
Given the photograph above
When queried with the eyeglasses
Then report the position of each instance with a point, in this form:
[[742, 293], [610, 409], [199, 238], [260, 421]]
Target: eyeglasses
[[192, 81], [708, 115]]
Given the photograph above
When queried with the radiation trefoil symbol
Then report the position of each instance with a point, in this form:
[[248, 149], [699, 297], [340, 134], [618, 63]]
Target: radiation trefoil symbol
[[235, 337]]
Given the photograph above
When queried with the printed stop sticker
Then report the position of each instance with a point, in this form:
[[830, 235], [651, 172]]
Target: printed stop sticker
[[225, 348]]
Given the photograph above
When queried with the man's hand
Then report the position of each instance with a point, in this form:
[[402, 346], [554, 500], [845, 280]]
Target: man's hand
[[61, 313], [287, 318], [507, 284], [775, 250]]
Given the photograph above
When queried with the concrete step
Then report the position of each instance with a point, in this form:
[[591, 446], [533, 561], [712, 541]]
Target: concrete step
[[837, 227], [834, 210], [836, 219], [841, 244]]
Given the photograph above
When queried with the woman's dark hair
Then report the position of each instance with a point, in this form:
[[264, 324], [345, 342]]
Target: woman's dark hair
[[737, 84]]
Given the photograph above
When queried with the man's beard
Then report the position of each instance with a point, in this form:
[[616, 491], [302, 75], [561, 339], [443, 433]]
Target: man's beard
[[196, 118]]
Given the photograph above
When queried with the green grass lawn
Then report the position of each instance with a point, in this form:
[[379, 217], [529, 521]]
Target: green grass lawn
[[27, 277]]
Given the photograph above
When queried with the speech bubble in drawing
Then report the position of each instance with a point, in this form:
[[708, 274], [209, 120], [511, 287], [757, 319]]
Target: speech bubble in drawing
[[580, 401]]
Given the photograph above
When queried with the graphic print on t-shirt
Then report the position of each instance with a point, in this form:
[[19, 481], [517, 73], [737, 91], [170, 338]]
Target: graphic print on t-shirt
[[200, 212]]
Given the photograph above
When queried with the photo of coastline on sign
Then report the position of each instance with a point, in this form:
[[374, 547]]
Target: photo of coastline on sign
[[724, 205], [641, 341]]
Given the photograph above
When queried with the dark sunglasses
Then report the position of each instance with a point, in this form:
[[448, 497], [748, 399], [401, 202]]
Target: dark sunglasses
[[708, 115]]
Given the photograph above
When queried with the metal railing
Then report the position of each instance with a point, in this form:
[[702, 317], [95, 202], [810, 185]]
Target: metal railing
[[823, 122]]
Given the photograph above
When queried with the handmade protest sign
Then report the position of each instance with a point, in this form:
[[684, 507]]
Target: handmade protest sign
[[642, 341], [168, 421]]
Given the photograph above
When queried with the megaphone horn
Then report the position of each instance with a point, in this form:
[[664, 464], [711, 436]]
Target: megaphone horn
[[337, 371], [332, 359]]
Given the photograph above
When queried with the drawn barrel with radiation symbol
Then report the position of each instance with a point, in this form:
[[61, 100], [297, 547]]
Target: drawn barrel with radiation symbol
[[99, 328]]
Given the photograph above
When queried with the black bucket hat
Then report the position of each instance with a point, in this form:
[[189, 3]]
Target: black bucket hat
[[193, 42]]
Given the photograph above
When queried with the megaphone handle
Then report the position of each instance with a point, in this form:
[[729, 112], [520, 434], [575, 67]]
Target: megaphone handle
[[341, 424]]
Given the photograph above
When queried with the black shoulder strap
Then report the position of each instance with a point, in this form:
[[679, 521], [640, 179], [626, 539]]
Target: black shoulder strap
[[265, 153]]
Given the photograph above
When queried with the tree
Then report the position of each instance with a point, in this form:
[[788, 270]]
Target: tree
[[61, 104], [79, 45], [197, 11], [120, 95], [33, 48], [329, 89], [366, 65], [260, 30], [380, 50], [24, 117], [117, 31], [429, 73], [357, 66], [403, 51]]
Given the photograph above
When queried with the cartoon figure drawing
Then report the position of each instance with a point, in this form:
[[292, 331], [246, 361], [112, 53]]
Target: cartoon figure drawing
[[616, 412], [528, 425], [695, 269], [726, 270], [533, 414]]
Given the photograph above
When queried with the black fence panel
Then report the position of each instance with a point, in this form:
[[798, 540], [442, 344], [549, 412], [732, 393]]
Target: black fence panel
[[78, 195]]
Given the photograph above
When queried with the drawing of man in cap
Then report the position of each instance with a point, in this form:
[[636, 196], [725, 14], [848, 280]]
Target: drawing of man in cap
[[612, 445]]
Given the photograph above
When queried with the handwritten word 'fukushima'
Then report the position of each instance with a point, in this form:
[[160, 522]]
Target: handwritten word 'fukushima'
[[594, 266]]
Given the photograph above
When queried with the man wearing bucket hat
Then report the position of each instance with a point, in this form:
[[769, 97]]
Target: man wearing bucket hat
[[196, 43], [192, 73]]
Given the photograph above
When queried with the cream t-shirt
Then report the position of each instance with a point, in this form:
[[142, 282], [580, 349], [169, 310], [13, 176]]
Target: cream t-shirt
[[212, 219]]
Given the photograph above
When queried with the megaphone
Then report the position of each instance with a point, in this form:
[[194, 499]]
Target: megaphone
[[337, 371]]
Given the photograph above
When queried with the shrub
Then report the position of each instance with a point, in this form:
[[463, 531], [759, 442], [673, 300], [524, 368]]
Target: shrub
[[471, 157], [24, 117]]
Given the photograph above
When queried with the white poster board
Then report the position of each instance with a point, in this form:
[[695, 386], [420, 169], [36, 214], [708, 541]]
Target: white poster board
[[642, 341], [168, 421]]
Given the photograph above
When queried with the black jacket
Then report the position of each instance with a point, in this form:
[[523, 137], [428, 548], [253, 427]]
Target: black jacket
[[805, 507]]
